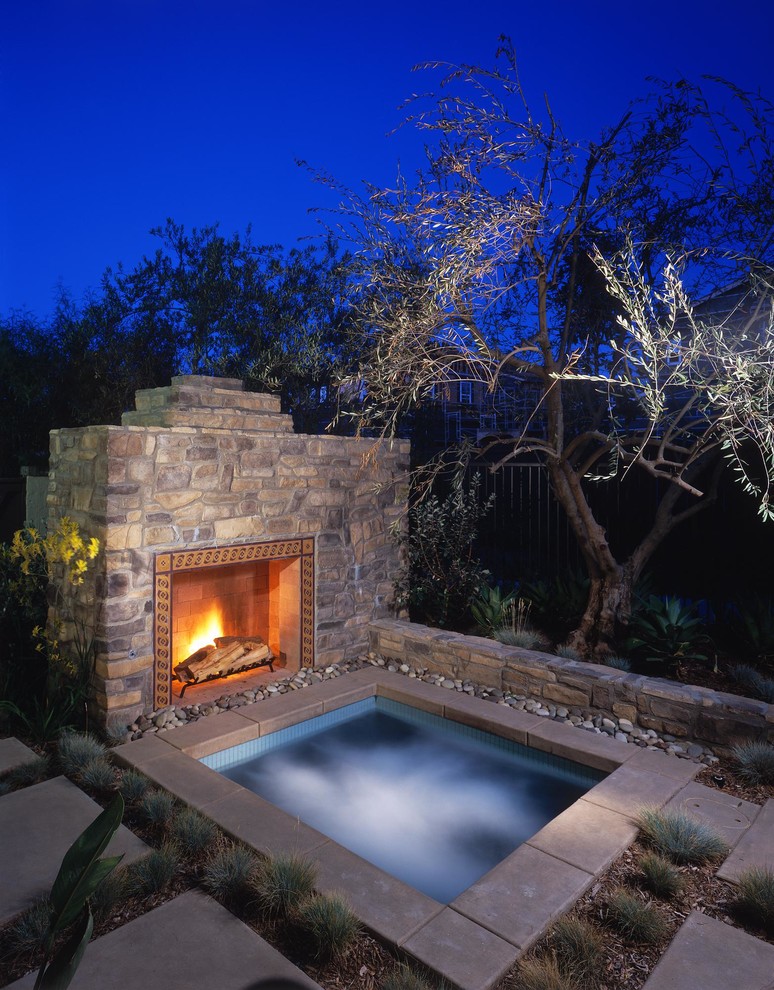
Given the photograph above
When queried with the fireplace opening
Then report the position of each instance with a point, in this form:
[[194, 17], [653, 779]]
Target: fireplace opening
[[222, 611]]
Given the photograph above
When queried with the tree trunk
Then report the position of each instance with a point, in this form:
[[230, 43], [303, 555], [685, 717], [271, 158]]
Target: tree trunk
[[612, 582]]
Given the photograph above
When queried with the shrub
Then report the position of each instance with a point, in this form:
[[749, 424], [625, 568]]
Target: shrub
[[567, 653], [681, 837], [229, 873], [441, 572], [193, 832], [153, 873], [404, 978], [283, 883], [754, 901], [32, 772], [558, 603], [635, 919], [330, 923], [489, 607], [110, 892], [751, 627], [98, 774], [577, 945], [666, 630], [753, 683], [619, 663], [76, 749], [157, 807], [526, 639], [756, 762], [133, 786], [27, 932], [542, 974], [660, 876]]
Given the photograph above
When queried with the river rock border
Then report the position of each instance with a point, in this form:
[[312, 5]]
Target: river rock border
[[166, 719]]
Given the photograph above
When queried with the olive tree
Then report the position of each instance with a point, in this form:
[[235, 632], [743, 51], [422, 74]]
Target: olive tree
[[480, 265]]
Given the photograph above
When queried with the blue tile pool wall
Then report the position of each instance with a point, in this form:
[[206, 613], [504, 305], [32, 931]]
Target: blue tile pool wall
[[567, 769]]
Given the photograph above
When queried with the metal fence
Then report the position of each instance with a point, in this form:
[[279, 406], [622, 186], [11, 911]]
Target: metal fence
[[722, 552]]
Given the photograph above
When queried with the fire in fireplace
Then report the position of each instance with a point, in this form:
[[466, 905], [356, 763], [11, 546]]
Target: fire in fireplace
[[222, 610]]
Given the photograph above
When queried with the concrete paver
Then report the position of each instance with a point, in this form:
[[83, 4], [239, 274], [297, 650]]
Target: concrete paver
[[262, 825], [628, 790], [521, 896], [586, 835], [190, 780], [14, 754], [500, 719], [462, 952], [277, 713], [189, 942], [385, 904], [728, 815], [38, 825], [654, 761], [711, 955], [213, 733], [592, 749], [755, 847]]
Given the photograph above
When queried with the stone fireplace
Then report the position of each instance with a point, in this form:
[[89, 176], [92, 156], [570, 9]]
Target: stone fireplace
[[216, 519]]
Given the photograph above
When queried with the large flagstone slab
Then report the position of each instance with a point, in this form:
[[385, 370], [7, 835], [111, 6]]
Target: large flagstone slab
[[38, 825], [189, 943]]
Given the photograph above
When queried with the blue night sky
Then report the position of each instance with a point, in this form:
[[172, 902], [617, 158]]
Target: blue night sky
[[119, 113]]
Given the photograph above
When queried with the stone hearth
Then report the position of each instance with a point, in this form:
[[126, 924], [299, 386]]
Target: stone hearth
[[204, 474]]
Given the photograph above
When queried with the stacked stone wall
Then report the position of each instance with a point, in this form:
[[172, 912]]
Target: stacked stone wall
[[708, 717], [145, 489]]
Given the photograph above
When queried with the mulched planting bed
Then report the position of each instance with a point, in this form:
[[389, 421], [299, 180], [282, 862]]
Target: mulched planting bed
[[626, 964]]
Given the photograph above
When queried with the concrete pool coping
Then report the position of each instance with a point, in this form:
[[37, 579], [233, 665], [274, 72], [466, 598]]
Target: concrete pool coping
[[475, 939]]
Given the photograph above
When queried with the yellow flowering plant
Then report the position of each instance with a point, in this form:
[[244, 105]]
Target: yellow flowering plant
[[29, 565]]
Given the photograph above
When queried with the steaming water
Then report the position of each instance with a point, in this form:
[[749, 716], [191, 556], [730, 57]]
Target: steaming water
[[432, 808]]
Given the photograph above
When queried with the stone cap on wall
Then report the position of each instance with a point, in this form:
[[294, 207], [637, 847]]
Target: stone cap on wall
[[208, 403]]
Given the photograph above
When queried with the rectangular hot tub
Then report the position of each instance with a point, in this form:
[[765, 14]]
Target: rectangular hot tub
[[433, 802]]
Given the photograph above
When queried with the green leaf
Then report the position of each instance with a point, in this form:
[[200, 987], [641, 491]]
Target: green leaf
[[80, 871], [58, 974]]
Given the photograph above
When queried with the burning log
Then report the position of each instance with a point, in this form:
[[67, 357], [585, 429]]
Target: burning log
[[228, 655]]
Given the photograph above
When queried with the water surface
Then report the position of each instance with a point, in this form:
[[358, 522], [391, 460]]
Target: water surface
[[431, 807]]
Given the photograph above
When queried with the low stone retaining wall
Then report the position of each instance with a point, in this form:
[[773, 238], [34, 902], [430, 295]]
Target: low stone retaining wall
[[699, 714]]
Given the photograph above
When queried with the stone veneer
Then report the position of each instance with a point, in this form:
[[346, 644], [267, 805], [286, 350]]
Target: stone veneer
[[202, 463], [700, 714]]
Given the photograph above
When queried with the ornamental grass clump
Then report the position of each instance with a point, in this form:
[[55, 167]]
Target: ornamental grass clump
[[405, 978], [330, 924], [153, 873], [27, 932], [229, 874], [635, 919], [577, 947], [133, 786], [680, 836], [193, 832], [76, 750], [543, 974], [660, 876], [283, 883], [619, 663], [755, 761], [157, 807], [110, 892], [97, 775], [32, 772], [754, 901]]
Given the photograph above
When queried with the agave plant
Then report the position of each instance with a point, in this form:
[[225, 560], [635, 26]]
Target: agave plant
[[666, 630], [490, 607]]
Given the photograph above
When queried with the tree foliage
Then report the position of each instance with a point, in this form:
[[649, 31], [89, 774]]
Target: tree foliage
[[204, 303], [483, 263]]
